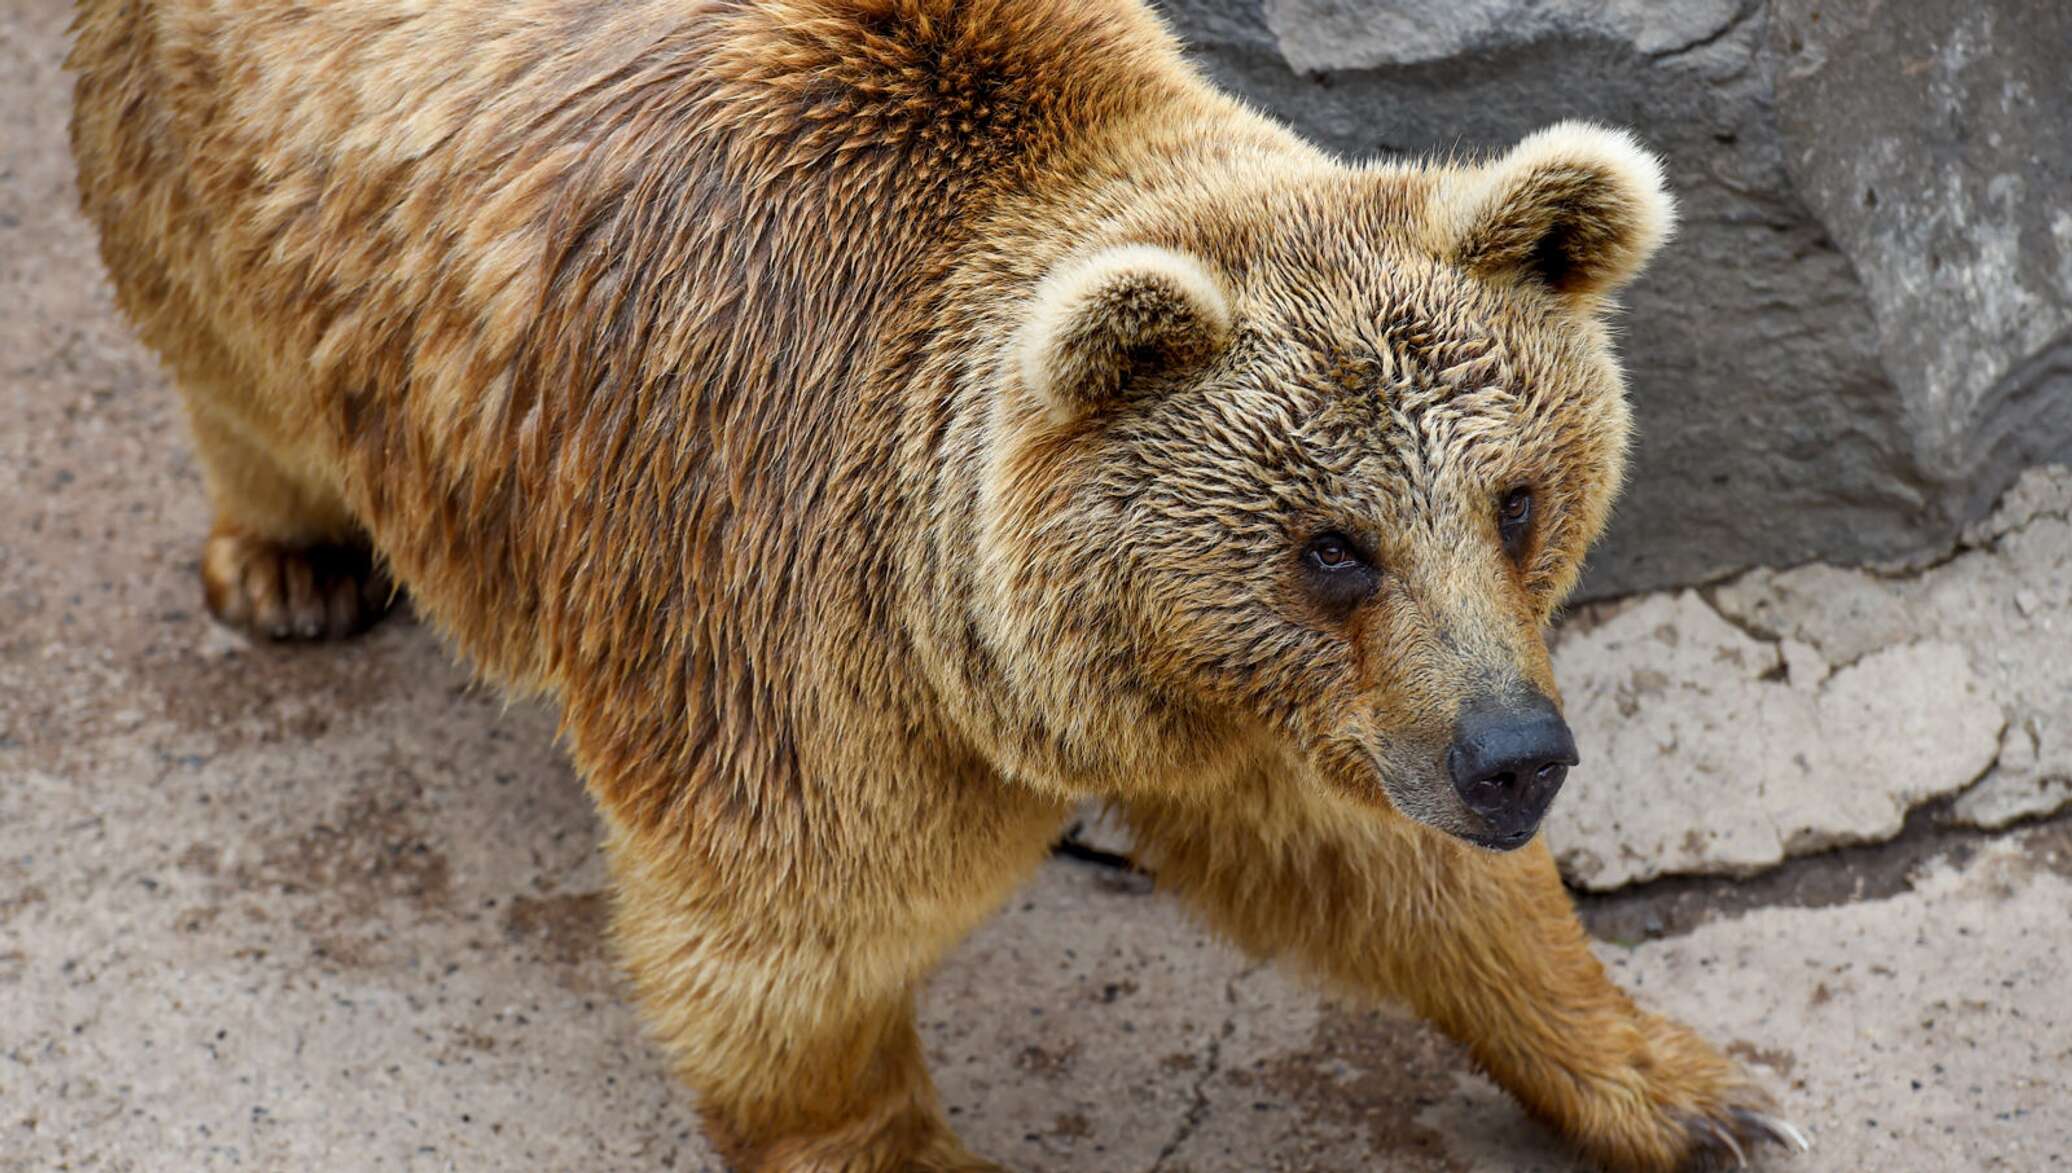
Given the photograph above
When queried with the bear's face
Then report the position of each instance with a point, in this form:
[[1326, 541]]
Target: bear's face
[[1324, 482]]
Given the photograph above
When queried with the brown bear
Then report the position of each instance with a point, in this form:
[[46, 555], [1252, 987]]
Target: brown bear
[[884, 424]]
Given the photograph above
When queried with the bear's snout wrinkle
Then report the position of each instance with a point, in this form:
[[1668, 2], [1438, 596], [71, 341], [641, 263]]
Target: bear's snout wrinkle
[[1508, 760]]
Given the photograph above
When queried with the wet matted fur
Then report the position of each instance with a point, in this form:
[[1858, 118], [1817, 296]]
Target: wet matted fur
[[881, 424]]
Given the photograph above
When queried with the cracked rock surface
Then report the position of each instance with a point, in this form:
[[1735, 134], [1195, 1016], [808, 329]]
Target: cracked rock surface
[[332, 909], [1801, 710], [2005, 596]]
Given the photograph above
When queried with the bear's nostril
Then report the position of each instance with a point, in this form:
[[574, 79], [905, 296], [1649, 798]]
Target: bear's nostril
[[1508, 761]]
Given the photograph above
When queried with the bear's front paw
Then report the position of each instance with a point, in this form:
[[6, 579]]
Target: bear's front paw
[[285, 592], [1734, 1134], [1699, 1111]]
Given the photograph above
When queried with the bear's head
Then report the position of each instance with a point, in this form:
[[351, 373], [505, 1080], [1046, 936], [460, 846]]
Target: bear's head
[[1308, 460]]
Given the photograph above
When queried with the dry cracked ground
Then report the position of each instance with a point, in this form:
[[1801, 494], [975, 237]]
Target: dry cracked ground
[[335, 909]]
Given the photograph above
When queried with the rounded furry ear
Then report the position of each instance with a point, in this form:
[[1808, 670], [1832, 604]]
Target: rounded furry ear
[[1098, 321], [1576, 207]]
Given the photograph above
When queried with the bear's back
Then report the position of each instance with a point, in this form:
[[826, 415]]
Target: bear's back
[[578, 302]]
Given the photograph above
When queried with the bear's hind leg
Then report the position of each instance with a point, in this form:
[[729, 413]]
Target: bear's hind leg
[[1485, 946], [285, 559]]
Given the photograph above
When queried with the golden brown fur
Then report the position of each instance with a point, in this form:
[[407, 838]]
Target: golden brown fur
[[881, 423]]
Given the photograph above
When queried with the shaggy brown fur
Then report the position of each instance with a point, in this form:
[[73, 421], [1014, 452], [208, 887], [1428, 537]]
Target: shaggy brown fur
[[882, 423]]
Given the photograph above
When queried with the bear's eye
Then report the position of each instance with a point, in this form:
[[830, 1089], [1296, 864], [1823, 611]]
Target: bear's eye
[[1334, 554], [1514, 521], [1340, 576]]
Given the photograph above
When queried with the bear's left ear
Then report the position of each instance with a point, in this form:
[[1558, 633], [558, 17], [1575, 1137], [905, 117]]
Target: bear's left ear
[[1099, 321], [1575, 207]]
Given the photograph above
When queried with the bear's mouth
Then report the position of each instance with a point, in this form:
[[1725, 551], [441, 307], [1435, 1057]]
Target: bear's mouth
[[1502, 844]]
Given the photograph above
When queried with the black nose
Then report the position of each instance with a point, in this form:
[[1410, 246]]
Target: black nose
[[1508, 760]]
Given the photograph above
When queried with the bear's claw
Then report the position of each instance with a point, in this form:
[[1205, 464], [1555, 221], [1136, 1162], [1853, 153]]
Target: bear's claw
[[1773, 1129], [1725, 1143]]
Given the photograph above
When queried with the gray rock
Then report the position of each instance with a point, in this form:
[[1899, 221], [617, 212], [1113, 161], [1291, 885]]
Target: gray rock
[[1702, 752], [1813, 707], [1813, 378], [1335, 35], [1935, 141], [1895, 729], [2018, 788], [2006, 597], [1663, 699]]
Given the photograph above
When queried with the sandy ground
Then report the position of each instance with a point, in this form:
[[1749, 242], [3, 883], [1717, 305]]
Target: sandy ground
[[333, 908]]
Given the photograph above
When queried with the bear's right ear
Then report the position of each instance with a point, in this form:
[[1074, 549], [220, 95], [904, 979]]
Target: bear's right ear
[[1575, 208], [1124, 312]]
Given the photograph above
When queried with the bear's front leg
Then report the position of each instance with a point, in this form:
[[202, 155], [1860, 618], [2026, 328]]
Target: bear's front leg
[[776, 958], [1486, 946], [1498, 960], [798, 1040]]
